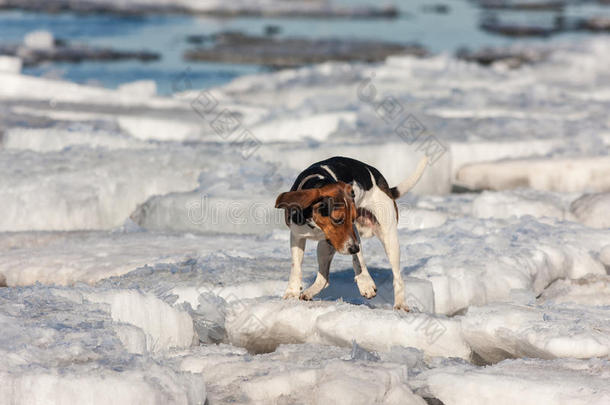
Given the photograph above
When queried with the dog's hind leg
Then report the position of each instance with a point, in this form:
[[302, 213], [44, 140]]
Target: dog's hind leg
[[325, 255], [387, 232], [389, 239], [297, 247], [365, 282]]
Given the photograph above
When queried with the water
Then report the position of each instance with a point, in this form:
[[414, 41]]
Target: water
[[167, 36]]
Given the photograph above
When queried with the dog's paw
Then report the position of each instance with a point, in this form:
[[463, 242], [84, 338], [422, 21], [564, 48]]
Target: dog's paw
[[367, 286], [306, 295], [402, 307], [292, 294]]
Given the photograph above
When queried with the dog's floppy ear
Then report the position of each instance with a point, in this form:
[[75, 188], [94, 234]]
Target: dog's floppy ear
[[301, 198]]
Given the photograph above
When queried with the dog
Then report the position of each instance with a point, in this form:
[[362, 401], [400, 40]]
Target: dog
[[336, 202]]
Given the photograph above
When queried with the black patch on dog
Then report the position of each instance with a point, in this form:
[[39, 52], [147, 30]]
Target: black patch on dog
[[347, 170]]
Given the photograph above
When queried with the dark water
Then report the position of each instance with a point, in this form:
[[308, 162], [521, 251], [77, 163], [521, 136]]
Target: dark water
[[167, 35]]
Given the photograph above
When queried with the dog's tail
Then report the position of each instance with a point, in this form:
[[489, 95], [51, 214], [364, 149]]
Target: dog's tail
[[409, 183]]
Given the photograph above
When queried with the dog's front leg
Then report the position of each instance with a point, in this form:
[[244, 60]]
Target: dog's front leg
[[325, 255], [297, 247], [365, 282]]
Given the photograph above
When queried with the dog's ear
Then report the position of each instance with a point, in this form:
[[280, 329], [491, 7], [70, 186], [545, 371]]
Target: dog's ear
[[301, 199]]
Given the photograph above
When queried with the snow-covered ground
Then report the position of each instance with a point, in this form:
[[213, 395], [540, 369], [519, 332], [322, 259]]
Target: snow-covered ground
[[142, 261]]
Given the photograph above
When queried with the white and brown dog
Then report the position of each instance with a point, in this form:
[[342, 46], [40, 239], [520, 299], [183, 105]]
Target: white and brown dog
[[336, 202]]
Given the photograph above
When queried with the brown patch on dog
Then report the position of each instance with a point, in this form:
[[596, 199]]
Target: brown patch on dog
[[296, 200], [335, 214], [300, 199], [333, 210]]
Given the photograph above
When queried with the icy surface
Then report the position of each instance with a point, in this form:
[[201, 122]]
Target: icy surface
[[142, 259]]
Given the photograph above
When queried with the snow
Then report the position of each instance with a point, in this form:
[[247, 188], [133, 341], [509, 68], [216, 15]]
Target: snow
[[141, 258]]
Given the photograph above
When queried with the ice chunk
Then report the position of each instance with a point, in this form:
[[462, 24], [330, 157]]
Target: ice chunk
[[20, 87], [553, 174], [520, 203], [463, 153], [473, 262], [318, 127], [526, 382], [83, 188], [604, 256], [198, 212], [299, 374], [68, 258], [262, 327], [499, 331], [590, 290], [165, 327], [58, 347], [415, 218], [9, 64], [39, 40], [141, 88], [592, 210], [51, 139]]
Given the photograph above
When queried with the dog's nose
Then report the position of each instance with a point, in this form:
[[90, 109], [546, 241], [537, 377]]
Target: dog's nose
[[354, 249]]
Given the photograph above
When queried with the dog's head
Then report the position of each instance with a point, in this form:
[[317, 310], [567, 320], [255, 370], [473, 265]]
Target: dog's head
[[332, 209]]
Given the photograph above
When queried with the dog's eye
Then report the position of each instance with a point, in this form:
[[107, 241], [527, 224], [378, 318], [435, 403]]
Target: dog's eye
[[338, 217], [323, 209], [353, 194]]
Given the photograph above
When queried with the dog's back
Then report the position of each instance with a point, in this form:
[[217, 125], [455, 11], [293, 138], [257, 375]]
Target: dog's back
[[361, 176]]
